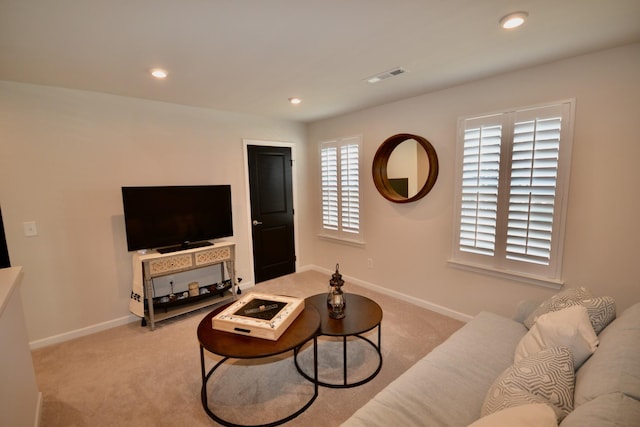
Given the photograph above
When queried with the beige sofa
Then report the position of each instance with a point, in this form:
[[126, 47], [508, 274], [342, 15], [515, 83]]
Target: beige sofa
[[449, 386]]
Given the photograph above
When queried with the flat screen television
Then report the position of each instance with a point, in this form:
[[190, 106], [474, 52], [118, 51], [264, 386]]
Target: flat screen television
[[172, 218]]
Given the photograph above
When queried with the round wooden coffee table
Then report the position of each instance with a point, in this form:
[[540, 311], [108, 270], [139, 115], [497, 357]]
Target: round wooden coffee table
[[362, 315], [234, 346]]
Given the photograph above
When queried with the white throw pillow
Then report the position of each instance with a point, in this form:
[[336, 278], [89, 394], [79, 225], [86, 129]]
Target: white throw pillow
[[569, 327], [529, 415]]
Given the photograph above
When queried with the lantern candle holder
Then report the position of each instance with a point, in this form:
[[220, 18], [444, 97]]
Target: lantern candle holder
[[335, 298]]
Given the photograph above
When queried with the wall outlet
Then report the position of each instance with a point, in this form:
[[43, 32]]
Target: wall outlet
[[369, 262], [30, 229]]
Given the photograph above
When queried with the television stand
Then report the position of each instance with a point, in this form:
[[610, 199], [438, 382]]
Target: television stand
[[155, 264], [184, 246]]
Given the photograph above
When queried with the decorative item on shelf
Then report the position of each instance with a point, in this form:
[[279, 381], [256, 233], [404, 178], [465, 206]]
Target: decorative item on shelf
[[335, 299], [172, 296], [194, 289]]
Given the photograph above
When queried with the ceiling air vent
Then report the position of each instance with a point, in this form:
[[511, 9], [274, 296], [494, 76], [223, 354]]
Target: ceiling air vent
[[382, 76]]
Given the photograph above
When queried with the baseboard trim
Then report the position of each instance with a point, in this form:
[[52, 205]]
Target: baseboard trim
[[92, 329], [77, 333], [38, 410], [408, 298]]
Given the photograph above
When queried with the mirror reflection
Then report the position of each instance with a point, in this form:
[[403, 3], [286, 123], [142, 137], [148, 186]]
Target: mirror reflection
[[408, 168]]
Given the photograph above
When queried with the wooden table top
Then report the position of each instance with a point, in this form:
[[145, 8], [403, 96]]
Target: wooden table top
[[361, 315]]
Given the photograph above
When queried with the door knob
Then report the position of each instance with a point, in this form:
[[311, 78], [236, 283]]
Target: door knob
[[256, 222]]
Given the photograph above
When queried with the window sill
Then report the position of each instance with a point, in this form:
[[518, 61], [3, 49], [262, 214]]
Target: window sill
[[507, 274], [342, 240]]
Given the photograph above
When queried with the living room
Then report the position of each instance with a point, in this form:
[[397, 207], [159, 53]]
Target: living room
[[68, 152]]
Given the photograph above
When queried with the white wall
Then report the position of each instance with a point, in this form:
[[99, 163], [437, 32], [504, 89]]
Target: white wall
[[411, 243], [65, 155]]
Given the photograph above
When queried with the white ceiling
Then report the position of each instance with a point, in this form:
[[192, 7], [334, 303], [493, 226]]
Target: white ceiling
[[252, 55]]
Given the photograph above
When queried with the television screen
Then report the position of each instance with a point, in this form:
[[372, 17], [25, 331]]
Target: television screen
[[178, 217]]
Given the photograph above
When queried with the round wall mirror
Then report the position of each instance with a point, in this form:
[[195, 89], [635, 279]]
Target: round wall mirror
[[405, 168]]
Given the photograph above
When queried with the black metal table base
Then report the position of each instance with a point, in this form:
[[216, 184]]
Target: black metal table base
[[207, 375], [345, 383]]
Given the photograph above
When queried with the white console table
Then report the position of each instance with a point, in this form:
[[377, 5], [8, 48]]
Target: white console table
[[154, 264]]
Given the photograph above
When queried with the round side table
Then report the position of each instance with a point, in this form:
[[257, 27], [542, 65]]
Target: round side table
[[362, 315]]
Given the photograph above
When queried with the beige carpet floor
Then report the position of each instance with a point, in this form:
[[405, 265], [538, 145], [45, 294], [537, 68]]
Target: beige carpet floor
[[131, 376]]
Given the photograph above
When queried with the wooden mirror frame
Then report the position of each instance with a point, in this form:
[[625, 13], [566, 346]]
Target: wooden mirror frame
[[381, 159]]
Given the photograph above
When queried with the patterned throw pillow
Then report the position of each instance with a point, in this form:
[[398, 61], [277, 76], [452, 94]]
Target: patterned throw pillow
[[545, 377], [602, 311], [563, 299]]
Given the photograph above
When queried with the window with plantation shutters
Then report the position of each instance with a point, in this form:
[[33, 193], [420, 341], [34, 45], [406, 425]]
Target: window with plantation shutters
[[340, 169], [512, 188]]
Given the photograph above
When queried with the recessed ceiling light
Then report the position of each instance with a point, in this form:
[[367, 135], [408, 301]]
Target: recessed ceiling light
[[513, 20], [295, 101], [159, 73]]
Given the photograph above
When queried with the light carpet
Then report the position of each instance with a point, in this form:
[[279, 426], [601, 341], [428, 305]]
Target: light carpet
[[131, 376]]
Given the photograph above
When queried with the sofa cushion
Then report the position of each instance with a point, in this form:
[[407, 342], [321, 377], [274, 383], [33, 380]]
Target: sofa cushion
[[614, 367], [609, 410], [569, 327], [446, 388], [544, 377], [530, 415]]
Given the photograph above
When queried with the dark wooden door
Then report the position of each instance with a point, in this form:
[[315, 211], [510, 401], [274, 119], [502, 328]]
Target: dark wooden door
[[271, 192], [4, 252]]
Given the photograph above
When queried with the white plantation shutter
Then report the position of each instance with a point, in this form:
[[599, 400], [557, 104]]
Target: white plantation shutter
[[513, 180], [329, 159], [534, 173], [350, 187], [480, 175], [340, 165]]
